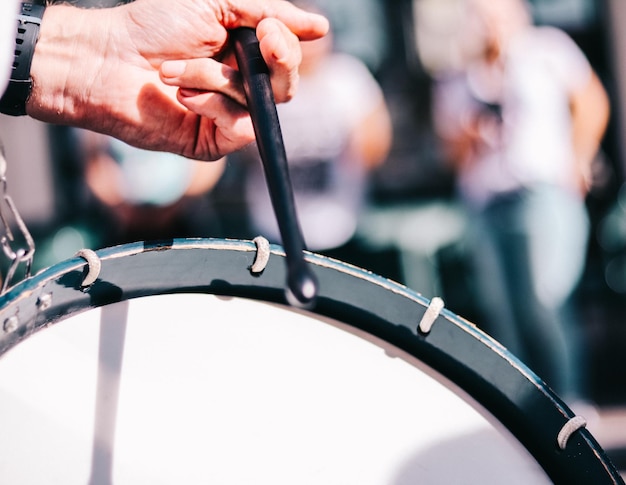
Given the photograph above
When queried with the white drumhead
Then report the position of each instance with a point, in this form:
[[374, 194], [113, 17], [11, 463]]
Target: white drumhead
[[198, 389]]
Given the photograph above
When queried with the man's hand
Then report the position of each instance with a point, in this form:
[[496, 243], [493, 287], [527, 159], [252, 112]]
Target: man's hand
[[118, 71]]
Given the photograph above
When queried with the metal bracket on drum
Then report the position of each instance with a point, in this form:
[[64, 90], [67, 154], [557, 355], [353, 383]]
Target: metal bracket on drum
[[20, 255]]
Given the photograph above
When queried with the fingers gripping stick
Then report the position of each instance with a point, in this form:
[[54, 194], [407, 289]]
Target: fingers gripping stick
[[301, 283]]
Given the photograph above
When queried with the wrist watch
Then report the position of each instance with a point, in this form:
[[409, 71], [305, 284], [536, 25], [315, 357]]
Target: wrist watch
[[13, 101]]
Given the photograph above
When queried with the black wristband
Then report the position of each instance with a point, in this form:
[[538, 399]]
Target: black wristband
[[13, 101]]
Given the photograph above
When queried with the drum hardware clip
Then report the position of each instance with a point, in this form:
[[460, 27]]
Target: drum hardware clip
[[21, 255], [302, 286]]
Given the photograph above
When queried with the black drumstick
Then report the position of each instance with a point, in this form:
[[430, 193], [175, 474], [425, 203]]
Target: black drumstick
[[301, 283]]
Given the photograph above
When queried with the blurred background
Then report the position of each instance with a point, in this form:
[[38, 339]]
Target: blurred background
[[76, 190]]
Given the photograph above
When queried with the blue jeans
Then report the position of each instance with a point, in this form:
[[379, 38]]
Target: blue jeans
[[529, 250]]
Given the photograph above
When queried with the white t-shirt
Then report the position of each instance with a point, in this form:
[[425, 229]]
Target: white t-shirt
[[8, 10], [317, 124], [531, 143]]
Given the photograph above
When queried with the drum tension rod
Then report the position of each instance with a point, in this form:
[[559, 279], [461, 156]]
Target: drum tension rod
[[302, 286]]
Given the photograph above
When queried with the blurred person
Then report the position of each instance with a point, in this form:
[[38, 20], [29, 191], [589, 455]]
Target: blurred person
[[335, 130], [147, 195], [521, 124]]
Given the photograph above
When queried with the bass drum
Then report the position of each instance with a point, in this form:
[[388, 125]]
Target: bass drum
[[177, 363]]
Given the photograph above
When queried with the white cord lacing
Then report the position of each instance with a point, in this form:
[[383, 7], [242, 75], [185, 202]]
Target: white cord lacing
[[432, 313], [262, 255], [573, 425], [94, 265]]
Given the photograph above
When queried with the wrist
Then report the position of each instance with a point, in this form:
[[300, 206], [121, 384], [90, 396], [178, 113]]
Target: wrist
[[66, 63]]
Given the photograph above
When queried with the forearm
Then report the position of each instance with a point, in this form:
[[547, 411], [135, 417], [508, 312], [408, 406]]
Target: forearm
[[87, 73], [373, 137], [590, 116], [67, 64]]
